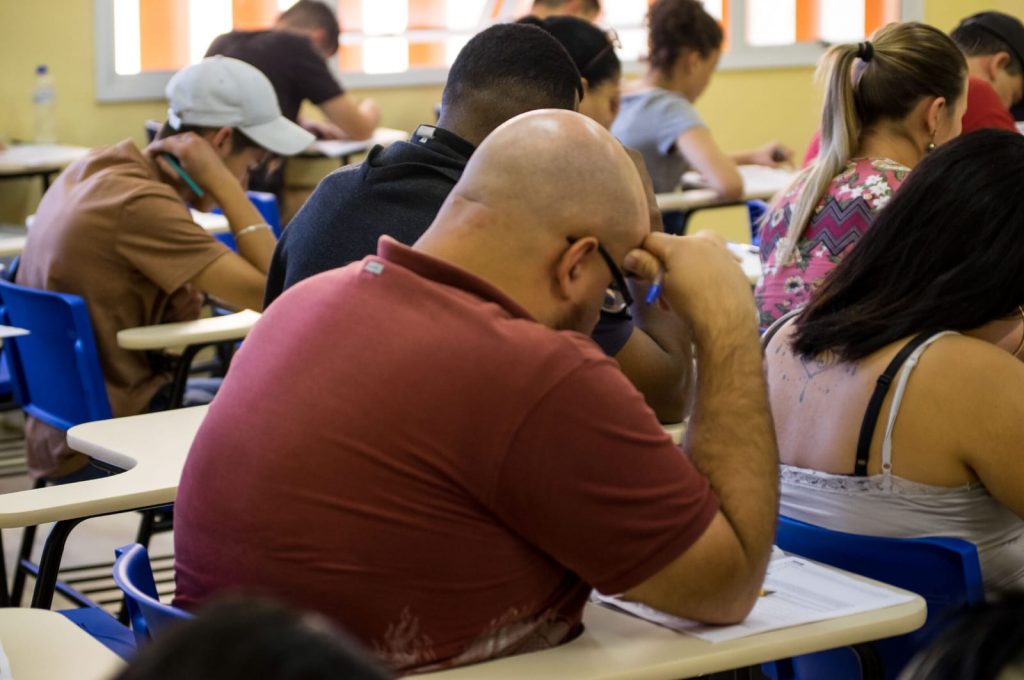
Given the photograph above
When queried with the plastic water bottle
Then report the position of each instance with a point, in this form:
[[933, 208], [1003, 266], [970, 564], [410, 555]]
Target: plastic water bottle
[[44, 102]]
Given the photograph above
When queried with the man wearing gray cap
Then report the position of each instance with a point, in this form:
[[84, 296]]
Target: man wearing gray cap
[[115, 229]]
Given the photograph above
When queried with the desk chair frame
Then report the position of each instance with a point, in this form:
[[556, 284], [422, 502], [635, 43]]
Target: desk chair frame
[[35, 395]]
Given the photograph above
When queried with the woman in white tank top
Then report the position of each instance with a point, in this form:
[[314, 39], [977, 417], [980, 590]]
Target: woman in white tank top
[[898, 393]]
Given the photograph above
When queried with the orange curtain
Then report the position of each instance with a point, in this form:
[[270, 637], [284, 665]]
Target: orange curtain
[[808, 20], [878, 13], [163, 31], [426, 14], [253, 15]]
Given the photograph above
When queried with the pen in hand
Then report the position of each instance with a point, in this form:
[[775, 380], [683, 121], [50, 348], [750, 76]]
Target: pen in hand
[[173, 162], [655, 290]]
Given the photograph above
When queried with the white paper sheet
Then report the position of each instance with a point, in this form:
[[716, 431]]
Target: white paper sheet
[[750, 259], [336, 148], [798, 592], [758, 180]]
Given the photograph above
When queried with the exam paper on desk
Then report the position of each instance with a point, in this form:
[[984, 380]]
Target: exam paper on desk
[[798, 592]]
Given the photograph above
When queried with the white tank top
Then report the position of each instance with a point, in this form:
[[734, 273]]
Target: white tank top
[[887, 505]]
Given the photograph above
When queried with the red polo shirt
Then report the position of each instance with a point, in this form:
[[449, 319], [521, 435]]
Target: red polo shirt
[[985, 109], [400, 446]]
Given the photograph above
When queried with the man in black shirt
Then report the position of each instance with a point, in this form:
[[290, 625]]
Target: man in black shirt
[[397, 191], [293, 54]]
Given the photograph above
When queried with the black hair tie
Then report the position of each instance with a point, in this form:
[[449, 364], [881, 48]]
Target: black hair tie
[[865, 51]]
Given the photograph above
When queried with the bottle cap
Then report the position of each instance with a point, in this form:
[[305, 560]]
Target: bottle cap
[[42, 70]]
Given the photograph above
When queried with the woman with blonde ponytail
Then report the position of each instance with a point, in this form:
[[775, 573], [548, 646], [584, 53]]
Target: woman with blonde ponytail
[[888, 102]]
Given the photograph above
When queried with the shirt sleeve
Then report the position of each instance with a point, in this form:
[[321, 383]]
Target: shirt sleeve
[[158, 237], [612, 332], [594, 481], [671, 116]]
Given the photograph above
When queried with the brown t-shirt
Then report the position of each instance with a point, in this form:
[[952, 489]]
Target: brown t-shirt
[[110, 231], [438, 472]]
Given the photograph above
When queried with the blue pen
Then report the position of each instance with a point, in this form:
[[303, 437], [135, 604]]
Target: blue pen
[[655, 290], [184, 175]]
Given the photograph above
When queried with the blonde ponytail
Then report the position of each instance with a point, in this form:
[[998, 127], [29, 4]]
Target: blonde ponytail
[[840, 132], [866, 83]]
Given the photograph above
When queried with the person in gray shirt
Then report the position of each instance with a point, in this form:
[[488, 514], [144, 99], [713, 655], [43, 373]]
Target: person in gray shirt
[[658, 118]]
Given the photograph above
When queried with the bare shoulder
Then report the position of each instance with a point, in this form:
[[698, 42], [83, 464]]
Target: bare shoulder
[[972, 371]]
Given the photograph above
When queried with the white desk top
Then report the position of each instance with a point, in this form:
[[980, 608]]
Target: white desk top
[[215, 223], [11, 332], [339, 148], [151, 447], [43, 645], [616, 646], [759, 182], [750, 260], [201, 331], [38, 157]]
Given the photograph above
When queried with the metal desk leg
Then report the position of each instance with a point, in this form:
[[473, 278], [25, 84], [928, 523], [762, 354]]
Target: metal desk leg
[[49, 563]]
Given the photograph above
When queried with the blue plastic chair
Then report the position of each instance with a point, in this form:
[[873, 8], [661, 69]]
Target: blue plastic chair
[[55, 369], [56, 375], [944, 571], [266, 204], [134, 576], [756, 209]]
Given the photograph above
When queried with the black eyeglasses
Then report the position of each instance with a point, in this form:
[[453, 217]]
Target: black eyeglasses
[[616, 297]]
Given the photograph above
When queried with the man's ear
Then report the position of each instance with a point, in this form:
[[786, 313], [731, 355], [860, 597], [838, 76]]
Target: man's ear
[[569, 266], [999, 62], [221, 142]]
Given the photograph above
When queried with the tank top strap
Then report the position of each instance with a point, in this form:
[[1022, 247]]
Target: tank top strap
[[897, 398], [867, 427]]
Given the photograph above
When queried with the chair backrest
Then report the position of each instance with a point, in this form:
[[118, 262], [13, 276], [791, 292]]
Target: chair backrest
[[944, 571], [55, 368], [134, 576], [266, 204], [756, 210]]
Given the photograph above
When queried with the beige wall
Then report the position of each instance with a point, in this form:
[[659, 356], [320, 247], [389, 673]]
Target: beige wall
[[744, 108]]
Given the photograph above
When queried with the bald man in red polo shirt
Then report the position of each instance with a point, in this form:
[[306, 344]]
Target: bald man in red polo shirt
[[426, 446]]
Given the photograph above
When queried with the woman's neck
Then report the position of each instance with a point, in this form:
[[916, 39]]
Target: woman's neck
[[896, 145], [673, 82]]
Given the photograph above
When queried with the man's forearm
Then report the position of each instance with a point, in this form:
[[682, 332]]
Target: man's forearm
[[731, 436]]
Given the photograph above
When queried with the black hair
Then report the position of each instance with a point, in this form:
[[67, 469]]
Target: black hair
[[311, 14], [944, 254], [238, 638], [592, 6], [506, 70], [986, 640], [977, 40], [239, 140], [590, 47], [675, 26]]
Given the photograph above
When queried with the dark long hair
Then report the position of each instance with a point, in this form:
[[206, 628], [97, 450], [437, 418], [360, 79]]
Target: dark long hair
[[947, 253], [589, 46]]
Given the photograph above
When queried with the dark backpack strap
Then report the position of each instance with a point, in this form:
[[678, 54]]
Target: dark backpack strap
[[776, 326], [867, 426]]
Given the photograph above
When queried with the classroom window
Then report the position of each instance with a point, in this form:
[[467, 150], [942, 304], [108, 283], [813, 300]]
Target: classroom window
[[399, 42]]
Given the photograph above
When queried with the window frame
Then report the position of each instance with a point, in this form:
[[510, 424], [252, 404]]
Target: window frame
[[150, 85]]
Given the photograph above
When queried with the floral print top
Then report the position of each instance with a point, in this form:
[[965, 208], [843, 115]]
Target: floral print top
[[844, 214]]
